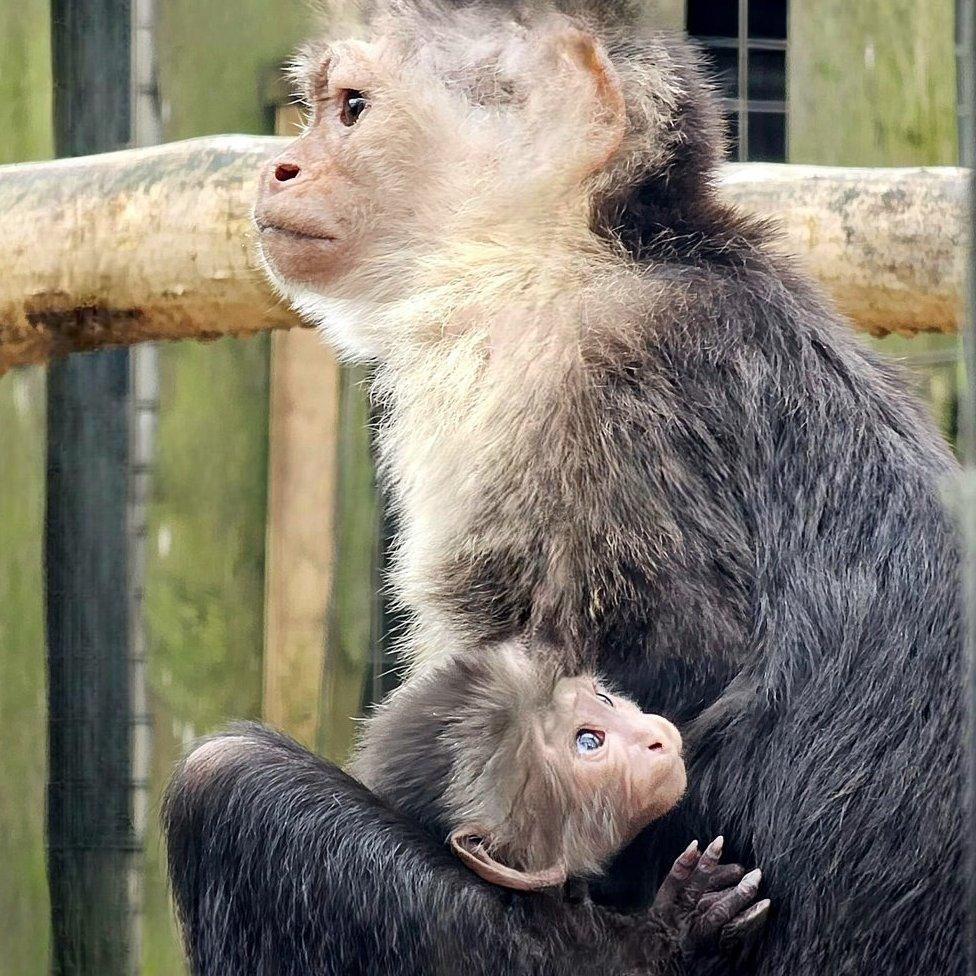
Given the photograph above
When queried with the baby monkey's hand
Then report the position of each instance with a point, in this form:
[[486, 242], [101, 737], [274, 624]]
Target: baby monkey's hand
[[711, 904]]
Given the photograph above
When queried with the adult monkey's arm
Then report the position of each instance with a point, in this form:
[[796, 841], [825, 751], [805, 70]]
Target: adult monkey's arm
[[282, 864]]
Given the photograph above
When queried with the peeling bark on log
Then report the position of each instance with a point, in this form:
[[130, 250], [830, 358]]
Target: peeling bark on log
[[157, 244]]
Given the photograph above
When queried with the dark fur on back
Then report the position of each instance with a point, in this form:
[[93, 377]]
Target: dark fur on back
[[733, 508]]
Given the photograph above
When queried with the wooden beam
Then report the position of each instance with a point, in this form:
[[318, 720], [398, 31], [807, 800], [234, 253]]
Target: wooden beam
[[889, 245], [303, 422], [123, 247], [156, 244]]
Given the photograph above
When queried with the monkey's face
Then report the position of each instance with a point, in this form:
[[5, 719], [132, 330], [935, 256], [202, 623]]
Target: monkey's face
[[591, 771], [432, 174], [355, 199], [617, 755]]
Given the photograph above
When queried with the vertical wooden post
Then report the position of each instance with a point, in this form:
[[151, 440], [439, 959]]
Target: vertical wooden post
[[89, 816], [301, 508]]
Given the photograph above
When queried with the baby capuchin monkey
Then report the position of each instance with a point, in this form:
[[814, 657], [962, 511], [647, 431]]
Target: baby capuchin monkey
[[536, 779]]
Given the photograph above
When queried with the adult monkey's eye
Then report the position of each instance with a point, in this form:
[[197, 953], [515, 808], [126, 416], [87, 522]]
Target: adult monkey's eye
[[588, 740], [354, 103]]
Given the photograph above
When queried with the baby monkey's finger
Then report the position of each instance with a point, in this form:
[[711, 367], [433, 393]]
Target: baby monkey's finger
[[706, 874], [725, 876], [745, 927], [683, 868], [707, 900], [715, 914]]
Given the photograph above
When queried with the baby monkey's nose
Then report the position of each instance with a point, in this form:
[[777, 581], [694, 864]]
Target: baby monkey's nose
[[662, 735]]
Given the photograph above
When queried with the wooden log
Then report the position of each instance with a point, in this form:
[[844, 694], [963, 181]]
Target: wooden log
[[889, 245], [134, 245], [156, 244]]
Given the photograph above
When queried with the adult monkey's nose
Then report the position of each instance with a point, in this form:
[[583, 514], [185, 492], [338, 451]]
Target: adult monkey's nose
[[286, 171]]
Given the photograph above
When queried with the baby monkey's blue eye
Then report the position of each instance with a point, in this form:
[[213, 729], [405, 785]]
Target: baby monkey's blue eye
[[588, 740]]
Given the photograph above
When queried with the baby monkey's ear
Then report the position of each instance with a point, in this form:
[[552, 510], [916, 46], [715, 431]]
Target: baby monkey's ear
[[471, 842]]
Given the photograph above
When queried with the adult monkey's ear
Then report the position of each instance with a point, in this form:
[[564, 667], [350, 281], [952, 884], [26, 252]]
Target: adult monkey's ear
[[601, 98], [470, 844]]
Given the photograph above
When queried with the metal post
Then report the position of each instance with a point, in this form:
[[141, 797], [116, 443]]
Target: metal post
[[147, 130], [89, 817], [743, 79]]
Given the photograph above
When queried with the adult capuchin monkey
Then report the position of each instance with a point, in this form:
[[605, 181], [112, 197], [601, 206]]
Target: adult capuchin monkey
[[617, 420]]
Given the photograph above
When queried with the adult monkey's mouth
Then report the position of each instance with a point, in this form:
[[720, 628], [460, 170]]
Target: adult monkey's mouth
[[268, 227]]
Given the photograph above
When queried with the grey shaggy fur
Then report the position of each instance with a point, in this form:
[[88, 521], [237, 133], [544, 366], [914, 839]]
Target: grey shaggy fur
[[733, 510], [465, 742], [425, 748]]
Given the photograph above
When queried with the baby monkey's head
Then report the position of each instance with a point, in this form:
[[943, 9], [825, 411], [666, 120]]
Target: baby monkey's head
[[533, 776]]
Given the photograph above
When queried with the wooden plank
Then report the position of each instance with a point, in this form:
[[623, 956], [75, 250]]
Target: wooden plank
[[24, 901], [872, 83]]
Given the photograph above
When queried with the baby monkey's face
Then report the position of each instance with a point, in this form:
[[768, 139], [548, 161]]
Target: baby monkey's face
[[590, 772], [607, 748]]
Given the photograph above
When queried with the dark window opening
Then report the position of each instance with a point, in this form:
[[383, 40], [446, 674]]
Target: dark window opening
[[767, 76], [745, 46], [713, 18], [767, 137], [767, 18]]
